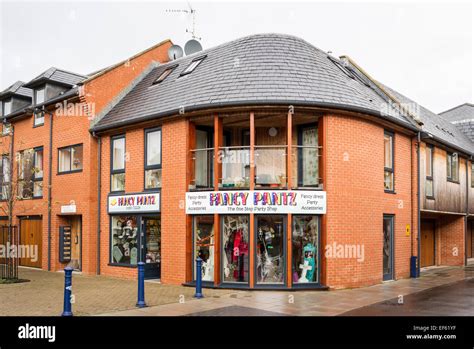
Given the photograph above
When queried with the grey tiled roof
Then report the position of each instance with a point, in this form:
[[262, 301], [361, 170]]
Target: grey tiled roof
[[254, 70], [461, 112], [439, 127], [58, 76], [17, 89]]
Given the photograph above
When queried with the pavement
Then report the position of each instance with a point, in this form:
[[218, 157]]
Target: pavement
[[447, 300], [447, 289], [328, 303], [43, 294]]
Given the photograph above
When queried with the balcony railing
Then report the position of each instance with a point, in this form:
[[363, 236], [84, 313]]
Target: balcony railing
[[235, 167], [270, 166], [203, 166]]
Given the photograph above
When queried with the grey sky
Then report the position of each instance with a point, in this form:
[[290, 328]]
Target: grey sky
[[423, 50]]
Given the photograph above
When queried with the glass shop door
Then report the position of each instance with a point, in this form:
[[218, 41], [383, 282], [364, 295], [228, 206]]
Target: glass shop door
[[151, 247]]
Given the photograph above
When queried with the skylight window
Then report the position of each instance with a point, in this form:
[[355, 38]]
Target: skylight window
[[190, 68], [164, 75]]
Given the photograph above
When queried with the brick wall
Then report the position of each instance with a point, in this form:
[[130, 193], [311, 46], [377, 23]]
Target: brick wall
[[81, 187], [451, 240], [354, 156]]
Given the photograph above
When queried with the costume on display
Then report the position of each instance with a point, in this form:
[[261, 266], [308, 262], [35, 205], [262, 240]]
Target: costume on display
[[309, 263]]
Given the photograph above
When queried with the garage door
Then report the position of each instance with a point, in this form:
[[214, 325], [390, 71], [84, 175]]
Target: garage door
[[31, 235], [427, 243]]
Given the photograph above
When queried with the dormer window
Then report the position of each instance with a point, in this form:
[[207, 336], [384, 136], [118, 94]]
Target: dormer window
[[164, 75], [39, 95], [7, 107], [193, 65]]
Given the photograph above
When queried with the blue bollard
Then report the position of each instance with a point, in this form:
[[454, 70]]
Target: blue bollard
[[67, 311], [198, 293], [141, 285]]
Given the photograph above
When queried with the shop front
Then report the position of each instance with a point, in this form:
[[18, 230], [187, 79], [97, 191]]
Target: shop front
[[135, 231], [258, 239]]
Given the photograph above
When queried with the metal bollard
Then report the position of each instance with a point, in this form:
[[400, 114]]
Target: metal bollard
[[198, 293], [67, 311], [141, 285]]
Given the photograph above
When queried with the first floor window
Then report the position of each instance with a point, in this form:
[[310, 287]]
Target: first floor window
[[472, 174], [204, 245], [25, 162], [388, 161], [39, 119], [235, 245], [270, 249], [153, 159], [5, 176], [429, 171], [309, 157], [118, 164], [453, 167], [124, 244], [305, 249], [71, 159], [38, 173]]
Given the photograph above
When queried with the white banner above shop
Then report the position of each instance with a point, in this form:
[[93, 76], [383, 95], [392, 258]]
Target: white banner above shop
[[134, 203], [258, 201]]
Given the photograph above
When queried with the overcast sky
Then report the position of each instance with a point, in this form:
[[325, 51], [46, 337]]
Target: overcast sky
[[423, 50]]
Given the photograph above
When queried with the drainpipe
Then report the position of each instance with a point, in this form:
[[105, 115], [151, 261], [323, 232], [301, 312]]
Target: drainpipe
[[419, 202], [50, 181], [467, 210], [99, 189]]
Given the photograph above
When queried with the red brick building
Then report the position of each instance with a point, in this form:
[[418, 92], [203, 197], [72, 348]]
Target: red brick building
[[276, 163]]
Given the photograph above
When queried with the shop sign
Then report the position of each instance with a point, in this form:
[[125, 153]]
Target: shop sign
[[258, 201], [134, 203]]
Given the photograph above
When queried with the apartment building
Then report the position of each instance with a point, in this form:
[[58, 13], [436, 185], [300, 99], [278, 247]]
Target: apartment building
[[279, 165]]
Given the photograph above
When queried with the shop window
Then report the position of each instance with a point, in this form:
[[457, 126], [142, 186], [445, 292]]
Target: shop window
[[453, 167], [38, 173], [270, 249], [117, 179], [153, 159], [235, 242], [204, 245], [305, 249], [25, 162], [308, 157], [429, 172], [388, 162], [71, 159], [124, 242]]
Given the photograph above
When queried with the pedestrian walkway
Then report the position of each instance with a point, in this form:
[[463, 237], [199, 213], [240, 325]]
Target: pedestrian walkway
[[308, 303], [43, 294]]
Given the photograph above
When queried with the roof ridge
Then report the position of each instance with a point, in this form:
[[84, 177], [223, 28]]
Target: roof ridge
[[456, 107]]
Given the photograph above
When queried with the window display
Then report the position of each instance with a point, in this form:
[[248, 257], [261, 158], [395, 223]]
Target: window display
[[305, 249], [124, 240], [204, 245], [153, 240], [270, 249], [235, 242]]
